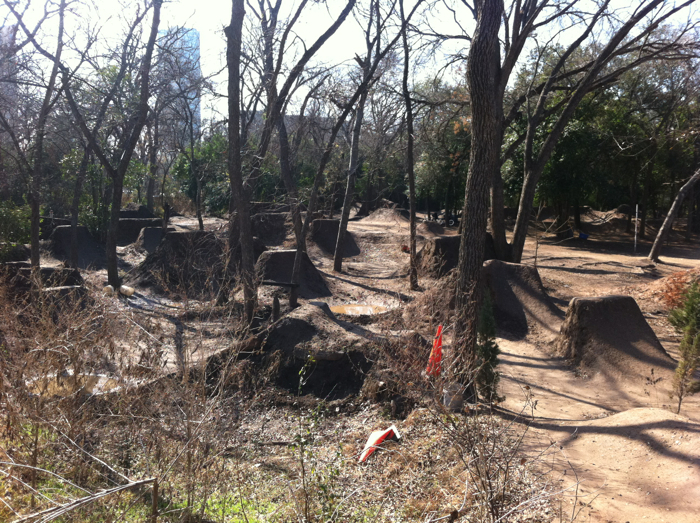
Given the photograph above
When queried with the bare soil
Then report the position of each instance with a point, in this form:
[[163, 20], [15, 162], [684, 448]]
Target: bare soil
[[617, 450]]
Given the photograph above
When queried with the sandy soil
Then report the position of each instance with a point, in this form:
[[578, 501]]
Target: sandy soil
[[618, 450]]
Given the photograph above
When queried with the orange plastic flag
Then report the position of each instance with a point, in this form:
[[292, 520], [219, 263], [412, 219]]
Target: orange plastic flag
[[376, 438], [435, 361]]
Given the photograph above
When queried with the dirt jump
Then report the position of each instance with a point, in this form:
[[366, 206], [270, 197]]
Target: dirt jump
[[133, 210], [316, 353], [609, 335], [440, 255], [277, 266], [271, 227], [130, 228], [520, 303], [149, 238], [185, 261], [90, 253], [324, 233]]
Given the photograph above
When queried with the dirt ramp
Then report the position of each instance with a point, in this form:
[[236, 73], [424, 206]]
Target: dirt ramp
[[134, 210], [14, 252], [271, 227], [440, 255], [277, 266], [430, 229], [388, 216], [150, 237], [184, 261], [130, 228], [610, 335], [324, 233], [520, 302], [90, 253], [314, 353]]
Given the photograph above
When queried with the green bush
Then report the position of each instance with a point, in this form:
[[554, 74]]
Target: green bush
[[15, 224], [686, 319]]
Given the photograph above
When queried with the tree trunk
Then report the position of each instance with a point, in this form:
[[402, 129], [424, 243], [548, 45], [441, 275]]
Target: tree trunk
[[152, 165], [350, 190], [113, 232], [293, 196], [241, 205], [497, 218], [691, 208], [75, 208], [671, 216], [413, 270], [483, 79]]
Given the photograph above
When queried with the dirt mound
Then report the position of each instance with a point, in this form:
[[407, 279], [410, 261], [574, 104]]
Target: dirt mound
[[48, 224], [520, 303], [134, 210], [91, 254], [611, 336], [324, 233], [16, 277], [440, 255], [388, 216], [430, 228], [10, 252], [315, 353], [277, 266], [271, 227], [130, 228], [185, 261], [149, 238]]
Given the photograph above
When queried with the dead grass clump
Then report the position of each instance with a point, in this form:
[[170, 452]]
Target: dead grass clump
[[435, 306]]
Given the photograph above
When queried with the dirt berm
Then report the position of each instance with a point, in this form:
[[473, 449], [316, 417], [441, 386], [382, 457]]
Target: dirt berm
[[440, 255], [520, 303], [610, 336], [315, 353], [277, 266], [324, 233]]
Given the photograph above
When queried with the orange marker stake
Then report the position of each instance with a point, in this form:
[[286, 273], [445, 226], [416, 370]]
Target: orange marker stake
[[435, 361]]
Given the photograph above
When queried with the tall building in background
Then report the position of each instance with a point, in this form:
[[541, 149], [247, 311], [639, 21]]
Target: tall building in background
[[179, 62]]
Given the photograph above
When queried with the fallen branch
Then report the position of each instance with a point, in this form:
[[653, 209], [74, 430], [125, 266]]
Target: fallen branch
[[61, 510]]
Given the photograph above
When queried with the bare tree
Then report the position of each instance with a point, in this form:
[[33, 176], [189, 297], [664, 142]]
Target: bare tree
[[136, 121], [410, 171], [665, 229], [31, 163], [241, 190]]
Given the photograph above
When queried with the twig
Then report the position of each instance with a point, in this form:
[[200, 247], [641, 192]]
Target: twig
[[56, 512]]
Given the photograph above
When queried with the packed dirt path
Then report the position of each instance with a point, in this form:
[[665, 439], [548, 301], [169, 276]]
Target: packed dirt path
[[616, 449]]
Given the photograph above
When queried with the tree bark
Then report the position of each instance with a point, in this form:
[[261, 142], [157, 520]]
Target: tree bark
[[241, 205], [75, 207], [412, 270], [483, 75], [671, 216], [350, 189]]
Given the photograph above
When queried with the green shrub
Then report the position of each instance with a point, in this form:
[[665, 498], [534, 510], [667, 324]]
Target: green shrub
[[686, 319], [15, 225]]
